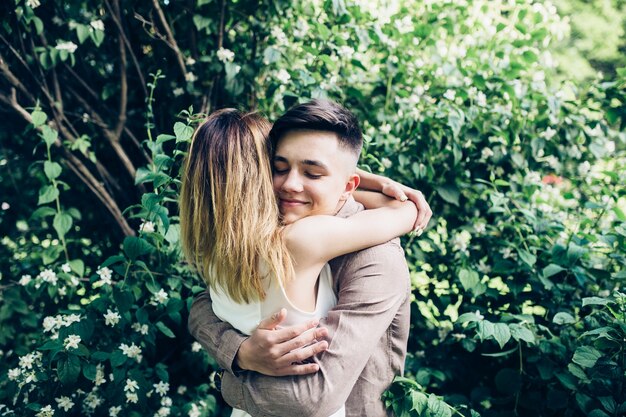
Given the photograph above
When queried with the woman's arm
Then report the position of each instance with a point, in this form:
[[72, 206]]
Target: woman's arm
[[398, 191], [316, 239]]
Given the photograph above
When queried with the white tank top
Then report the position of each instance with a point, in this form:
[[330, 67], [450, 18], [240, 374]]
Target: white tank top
[[246, 317]]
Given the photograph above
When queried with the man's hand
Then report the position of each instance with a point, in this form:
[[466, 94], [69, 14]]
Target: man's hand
[[277, 351], [402, 192]]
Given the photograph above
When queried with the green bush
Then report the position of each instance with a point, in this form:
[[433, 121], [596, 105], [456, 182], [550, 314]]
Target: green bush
[[518, 306]]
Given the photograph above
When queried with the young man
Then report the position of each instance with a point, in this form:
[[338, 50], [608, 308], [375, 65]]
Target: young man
[[316, 147]]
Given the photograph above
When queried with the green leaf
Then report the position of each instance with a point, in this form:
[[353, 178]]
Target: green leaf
[[528, 258], [117, 358], [47, 194], [78, 266], [437, 407], [450, 193], [586, 356], [502, 334], [123, 299], [38, 117], [165, 330], [596, 301], [49, 135], [485, 330], [62, 223], [68, 369], [201, 22], [552, 270], [563, 318], [135, 247], [42, 212], [52, 169], [82, 31], [183, 132], [89, 371], [469, 279], [468, 318]]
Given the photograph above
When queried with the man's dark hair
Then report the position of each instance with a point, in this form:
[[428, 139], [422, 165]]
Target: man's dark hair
[[322, 115]]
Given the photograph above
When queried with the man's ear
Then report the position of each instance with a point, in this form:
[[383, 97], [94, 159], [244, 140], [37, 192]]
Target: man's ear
[[353, 182]]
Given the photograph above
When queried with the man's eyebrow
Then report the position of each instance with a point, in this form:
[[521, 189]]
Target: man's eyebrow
[[311, 162]]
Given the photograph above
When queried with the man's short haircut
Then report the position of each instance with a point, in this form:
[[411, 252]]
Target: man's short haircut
[[324, 115]]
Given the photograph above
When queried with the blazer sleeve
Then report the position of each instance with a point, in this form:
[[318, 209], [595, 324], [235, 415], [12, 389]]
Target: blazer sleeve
[[373, 283], [219, 338]]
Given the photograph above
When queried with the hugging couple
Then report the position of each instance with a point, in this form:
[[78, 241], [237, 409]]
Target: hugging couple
[[307, 307]]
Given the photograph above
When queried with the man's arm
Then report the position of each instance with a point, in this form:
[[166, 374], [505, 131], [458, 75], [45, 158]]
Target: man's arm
[[374, 283], [220, 339], [275, 352]]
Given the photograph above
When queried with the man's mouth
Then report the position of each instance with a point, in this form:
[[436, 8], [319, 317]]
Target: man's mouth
[[290, 202]]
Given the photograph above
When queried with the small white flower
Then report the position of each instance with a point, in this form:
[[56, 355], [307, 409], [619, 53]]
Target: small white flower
[[163, 412], [99, 380], [450, 95], [140, 328], [508, 253], [182, 389], [283, 76], [196, 347], [49, 276], [160, 297], [584, 168], [483, 267], [190, 77], [345, 51], [25, 280], [479, 227], [66, 268], [610, 146], [71, 342], [65, 403], [478, 315], [49, 324], [33, 3], [225, 55], [147, 227], [26, 361], [190, 61], [481, 99], [385, 129], [5, 206], [66, 46], [460, 241], [46, 411], [194, 412], [166, 402], [14, 373], [132, 398], [548, 133], [131, 385], [486, 153], [105, 275], [114, 411], [279, 35], [178, 92], [72, 318], [92, 401], [97, 25], [111, 318], [162, 388], [133, 351]]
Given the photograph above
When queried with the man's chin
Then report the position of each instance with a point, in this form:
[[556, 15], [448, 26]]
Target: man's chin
[[290, 217]]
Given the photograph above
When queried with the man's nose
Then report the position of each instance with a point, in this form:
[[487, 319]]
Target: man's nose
[[293, 182]]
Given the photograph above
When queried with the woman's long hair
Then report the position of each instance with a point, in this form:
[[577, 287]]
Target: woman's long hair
[[230, 230]]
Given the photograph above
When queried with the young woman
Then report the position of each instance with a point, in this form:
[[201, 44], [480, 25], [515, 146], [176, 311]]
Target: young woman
[[231, 232]]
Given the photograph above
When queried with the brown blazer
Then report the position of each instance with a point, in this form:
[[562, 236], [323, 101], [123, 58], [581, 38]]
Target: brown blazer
[[368, 331]]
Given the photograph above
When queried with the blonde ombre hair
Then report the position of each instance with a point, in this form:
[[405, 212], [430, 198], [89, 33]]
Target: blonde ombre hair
[[229, 219]]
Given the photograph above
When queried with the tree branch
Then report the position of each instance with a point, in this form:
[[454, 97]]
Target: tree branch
[[117, 19], [170, 37]]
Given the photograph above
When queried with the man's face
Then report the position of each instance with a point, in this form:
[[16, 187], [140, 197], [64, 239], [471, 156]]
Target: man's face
[[312, 174]]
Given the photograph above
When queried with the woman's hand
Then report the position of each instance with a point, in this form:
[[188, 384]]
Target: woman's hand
[[401, 192]]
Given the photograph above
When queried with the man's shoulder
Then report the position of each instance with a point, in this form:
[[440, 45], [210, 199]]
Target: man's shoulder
[[381, 256]]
